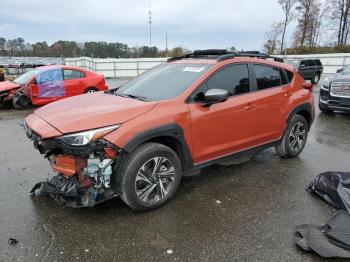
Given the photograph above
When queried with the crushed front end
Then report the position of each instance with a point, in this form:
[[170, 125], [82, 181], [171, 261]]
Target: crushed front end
[[83, 164]]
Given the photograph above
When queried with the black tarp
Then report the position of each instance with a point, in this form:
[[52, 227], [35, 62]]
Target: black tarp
[[334, 187]]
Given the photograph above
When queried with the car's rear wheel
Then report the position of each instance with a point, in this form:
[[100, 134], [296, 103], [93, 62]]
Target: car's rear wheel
[[21, 101], [315, 79], [90, 90], [295, 137], [150, 176]]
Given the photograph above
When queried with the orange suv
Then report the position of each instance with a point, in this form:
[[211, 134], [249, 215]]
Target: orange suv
[[137, 141]]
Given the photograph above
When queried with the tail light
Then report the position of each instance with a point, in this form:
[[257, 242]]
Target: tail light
[[308, 86]]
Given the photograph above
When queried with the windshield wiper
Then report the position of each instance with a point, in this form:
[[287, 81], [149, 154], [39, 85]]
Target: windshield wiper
[[142, 98]]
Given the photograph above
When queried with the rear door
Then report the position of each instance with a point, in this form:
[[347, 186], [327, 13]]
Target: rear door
[[226, 127], [74, 82], [272, 96]]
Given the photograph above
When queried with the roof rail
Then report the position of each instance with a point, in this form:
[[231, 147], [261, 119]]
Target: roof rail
[[223, 54]]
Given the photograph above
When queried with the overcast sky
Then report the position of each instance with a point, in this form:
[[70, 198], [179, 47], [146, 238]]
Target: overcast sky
[[190, 23]]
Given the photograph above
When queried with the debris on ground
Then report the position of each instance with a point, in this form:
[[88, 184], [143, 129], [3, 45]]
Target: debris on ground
[[12, 241], [334, 187], [329, 241]]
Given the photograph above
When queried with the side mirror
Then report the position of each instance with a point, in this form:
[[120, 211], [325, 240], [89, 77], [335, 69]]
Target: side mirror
[[214, 96], [34, 82], [340, 70]]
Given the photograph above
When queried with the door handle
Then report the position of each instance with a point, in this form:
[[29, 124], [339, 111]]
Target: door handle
[[249, 107]]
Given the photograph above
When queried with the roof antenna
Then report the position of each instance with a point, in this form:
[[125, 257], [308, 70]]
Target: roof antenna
[[150, 23]]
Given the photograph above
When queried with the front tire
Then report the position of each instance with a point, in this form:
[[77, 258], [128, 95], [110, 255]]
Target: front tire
[[21, 101], [295, 137], [150, 176]]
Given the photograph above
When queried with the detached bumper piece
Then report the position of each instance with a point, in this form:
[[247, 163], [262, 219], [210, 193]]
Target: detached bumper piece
[[330, 241], [69, 192]]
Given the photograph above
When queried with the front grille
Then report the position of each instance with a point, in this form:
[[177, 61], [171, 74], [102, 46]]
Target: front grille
[[340, 89]]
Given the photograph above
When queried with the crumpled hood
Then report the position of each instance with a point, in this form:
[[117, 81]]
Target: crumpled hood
[[91, 111], [8, 85]]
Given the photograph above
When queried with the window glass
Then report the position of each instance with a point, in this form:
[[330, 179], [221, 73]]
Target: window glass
[[310, 63], [303, 63], [318, 62], [267, 76], [72, 74], [233, 78], [290, 76], [165, 81], [284, 79]]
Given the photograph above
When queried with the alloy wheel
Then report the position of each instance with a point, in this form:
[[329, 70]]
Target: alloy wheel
[[297, 137], [154, 179]]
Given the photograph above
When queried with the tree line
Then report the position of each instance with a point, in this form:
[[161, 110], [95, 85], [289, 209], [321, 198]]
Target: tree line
[[321, 26], [18, 47]]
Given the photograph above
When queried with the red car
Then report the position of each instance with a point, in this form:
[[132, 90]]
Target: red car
[[47, 84]]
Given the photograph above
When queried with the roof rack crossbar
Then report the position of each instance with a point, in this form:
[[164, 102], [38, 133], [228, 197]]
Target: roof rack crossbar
[[222, 54]]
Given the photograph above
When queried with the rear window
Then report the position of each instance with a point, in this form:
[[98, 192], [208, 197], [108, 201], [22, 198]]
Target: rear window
[[318, 62], [310, 63]]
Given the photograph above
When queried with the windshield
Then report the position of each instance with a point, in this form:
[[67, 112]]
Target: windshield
[[23, 79], [294, 63], [346, 70], [163, 82]]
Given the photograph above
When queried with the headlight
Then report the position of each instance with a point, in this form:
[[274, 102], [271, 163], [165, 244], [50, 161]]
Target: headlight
[[83, 138], [326, 84]]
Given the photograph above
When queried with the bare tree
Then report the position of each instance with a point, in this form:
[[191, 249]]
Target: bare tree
[[308, 20], [287, 7], [339, 12], [273, 44]]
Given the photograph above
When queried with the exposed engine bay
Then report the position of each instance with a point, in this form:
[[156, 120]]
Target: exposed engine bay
[[82, 174]]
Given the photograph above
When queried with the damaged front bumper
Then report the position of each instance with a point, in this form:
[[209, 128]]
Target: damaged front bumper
[[82, 173]]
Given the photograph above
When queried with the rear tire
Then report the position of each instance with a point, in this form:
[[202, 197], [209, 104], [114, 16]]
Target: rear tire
[[150, 176], [21, 101], [295, 137], [90, 90], [315, 79]]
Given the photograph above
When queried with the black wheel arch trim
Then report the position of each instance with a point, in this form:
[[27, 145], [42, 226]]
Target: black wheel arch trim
[[173, 131], [303, 107]]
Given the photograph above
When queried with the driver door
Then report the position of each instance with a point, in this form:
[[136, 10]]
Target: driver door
[[228, 127]]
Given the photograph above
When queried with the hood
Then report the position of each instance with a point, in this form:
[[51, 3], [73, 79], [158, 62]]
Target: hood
[[8, 85], [92, 111], [340, 78]]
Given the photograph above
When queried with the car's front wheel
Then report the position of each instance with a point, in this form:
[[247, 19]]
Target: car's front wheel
[[295, 137], [21, 101], [150, 176]]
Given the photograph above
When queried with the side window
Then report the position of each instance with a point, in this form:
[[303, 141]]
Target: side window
[[290, 75], [267, 76], [303, 63], [233, 78], [72, 74], [286, 76], [310, 63]]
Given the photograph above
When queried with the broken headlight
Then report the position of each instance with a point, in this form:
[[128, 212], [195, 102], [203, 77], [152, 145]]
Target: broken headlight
[[84, 138]]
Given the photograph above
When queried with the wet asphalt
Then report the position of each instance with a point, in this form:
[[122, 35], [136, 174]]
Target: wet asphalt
[[246, 212]]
